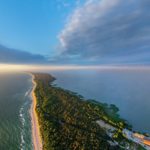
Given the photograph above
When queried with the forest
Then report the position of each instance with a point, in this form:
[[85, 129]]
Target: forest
[[68, 121]]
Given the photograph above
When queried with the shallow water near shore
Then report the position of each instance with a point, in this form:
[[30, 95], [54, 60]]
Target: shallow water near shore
[[127, 89], [15, 102]]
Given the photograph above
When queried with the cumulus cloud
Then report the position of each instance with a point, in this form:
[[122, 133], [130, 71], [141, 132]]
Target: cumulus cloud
[[108, 30], [8, 55]]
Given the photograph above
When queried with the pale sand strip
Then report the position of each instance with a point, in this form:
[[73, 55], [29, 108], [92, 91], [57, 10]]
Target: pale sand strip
[[37, 140]]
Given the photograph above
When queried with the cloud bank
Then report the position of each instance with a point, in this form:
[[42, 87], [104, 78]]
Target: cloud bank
[[8, 55], [108, 31]]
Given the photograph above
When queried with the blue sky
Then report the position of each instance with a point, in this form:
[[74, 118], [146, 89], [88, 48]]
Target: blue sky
[[33, 25], [75, 31]]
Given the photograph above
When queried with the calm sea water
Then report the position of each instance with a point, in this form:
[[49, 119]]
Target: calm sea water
[[129, 90], [15, 126]]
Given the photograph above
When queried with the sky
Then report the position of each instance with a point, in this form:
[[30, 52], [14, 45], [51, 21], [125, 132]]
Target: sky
[[78, 32]]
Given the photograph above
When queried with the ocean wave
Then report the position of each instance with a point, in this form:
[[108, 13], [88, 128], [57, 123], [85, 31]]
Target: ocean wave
[[28, 92], [22, 119], [23, 115]]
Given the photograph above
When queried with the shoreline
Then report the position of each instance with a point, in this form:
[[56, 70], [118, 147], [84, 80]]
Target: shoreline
[[36, 136], [116, 131]]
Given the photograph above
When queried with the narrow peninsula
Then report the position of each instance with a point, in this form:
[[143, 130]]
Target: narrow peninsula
[[65, 120], [37, 141]]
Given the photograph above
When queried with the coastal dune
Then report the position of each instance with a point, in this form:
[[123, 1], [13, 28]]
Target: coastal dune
[[37, 140]]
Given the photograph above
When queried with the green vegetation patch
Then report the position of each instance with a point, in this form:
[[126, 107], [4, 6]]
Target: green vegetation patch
[[68, 122]]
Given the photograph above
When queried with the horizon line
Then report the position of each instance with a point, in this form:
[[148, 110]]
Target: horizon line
[[25, 67]]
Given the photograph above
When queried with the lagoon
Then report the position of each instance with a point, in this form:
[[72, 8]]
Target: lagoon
[[127, 89]]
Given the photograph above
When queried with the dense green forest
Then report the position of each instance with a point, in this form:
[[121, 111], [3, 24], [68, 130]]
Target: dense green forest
[[68, 121]]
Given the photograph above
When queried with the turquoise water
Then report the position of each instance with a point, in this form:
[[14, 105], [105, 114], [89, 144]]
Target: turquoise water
[[128, 89], [15, 102]]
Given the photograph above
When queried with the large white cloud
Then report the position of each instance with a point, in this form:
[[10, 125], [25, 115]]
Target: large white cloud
[[105, 30]]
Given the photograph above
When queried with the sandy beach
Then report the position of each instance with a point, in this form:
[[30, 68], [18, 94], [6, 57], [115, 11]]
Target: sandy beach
[[37, 140]]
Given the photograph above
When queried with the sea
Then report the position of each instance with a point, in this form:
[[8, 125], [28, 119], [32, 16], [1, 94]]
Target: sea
[[15, 103], [129, 90]]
